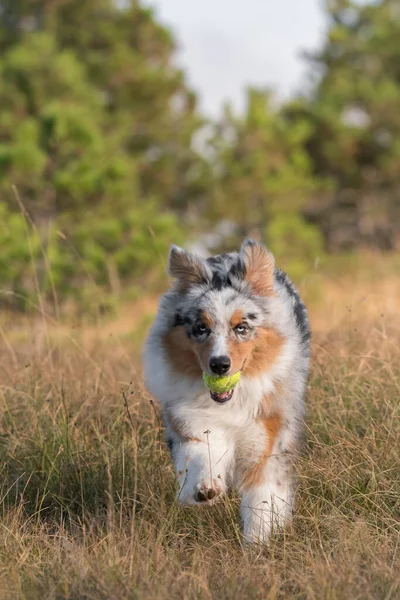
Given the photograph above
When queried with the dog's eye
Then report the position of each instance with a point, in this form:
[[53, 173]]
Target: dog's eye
[[241, 329], [200, 329]]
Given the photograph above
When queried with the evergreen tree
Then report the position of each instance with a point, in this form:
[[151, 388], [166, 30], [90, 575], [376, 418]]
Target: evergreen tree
[[263, 178], [96, 129], [355, 121]]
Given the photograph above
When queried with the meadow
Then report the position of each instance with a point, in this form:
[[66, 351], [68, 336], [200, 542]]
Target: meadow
[[87, 491]]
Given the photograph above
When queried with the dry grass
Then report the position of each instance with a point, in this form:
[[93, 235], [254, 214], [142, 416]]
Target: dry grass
[[87, 489]]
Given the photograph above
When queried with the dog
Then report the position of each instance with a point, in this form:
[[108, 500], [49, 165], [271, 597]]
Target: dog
[[234, 312]]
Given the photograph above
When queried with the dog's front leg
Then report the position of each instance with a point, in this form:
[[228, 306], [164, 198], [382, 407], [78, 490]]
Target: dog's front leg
[[202, 464], [266, 506], [267, 486]]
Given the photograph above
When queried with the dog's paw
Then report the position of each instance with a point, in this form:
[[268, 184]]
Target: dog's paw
[[208, 491], [194, 490]]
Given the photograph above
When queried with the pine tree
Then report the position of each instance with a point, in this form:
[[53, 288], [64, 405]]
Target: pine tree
[[355, 119], [96, 129], [264, 179]]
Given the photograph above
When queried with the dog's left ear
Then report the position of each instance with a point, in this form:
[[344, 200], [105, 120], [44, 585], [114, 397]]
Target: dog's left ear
[[259, 267], [187, 268]]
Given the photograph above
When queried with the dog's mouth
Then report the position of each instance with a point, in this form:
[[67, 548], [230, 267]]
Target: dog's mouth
[[222, 397]]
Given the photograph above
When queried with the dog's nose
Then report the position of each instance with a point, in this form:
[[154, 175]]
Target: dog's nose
[[220, 364]]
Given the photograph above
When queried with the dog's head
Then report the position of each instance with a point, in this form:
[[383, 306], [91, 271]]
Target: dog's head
[[222, 322]]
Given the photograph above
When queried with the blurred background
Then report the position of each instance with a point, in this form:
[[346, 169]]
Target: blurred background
[[128, 125]]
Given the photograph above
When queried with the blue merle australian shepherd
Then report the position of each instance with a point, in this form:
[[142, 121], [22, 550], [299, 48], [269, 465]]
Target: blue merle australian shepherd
[[232, 313]]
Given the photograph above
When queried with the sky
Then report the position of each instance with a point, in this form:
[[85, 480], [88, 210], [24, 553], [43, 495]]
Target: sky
[[225, 45]]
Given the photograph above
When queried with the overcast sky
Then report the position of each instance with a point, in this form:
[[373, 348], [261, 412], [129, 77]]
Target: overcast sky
[[227, 44]]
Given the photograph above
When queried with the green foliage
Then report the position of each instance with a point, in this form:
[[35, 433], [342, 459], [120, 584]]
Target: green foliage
[[98, 131], [95, 133], [90, 264], [264, 178], [18, 251], [297, 243], [327, 164], [355, 125]]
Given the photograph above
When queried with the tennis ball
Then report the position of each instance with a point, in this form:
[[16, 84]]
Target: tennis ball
[[219, 385]]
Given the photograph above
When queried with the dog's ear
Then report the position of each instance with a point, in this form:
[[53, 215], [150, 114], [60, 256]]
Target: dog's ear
[[259, 267], [187, 268]]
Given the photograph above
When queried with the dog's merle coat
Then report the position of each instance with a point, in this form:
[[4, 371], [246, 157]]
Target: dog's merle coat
[[241, 307]]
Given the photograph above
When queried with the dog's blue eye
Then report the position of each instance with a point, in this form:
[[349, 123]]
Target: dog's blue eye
[[200, 328]]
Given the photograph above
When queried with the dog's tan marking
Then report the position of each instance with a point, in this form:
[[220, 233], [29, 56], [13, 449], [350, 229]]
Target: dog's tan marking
[[255, 474], [257, 355], [236, 318], [239, 353], [260, 267], [265, 406], [266, 349], [207, 320], [181, 354]]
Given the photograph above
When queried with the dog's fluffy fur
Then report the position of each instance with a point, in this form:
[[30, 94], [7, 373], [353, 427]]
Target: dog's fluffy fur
[[237, 305]]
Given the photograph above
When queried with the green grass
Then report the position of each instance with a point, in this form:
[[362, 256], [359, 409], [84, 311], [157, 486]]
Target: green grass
[[87, 491]]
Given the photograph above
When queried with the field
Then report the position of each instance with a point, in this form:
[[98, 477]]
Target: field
[[87, 489]]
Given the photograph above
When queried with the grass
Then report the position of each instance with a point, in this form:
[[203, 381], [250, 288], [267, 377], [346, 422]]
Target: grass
[[87, 492]]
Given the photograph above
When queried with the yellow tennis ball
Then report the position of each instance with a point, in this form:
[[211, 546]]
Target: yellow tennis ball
[[219, 385]]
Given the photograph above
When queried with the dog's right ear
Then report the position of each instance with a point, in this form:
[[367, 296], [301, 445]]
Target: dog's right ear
[[260, 267], [189, 269]]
